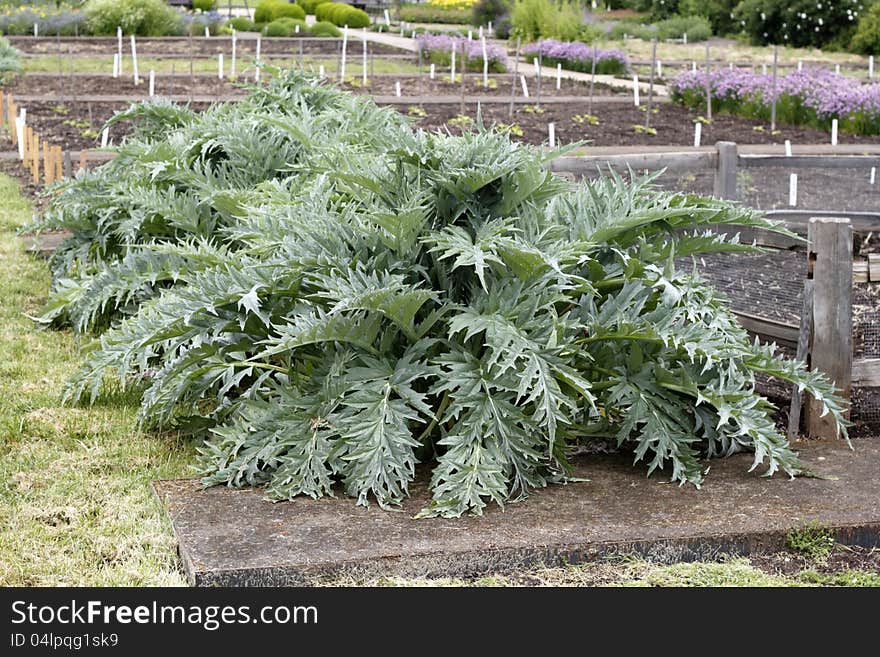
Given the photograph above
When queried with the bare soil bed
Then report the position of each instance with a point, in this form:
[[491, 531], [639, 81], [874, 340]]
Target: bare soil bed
[[198, 47], [674, 125], [69, 87], [442, 85]]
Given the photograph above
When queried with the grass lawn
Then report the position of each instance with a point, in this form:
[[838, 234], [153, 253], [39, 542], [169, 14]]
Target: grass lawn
[[76, 506]]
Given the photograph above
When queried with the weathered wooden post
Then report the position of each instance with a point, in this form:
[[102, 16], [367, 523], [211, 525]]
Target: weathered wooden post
[[829, 265], [725, 173]]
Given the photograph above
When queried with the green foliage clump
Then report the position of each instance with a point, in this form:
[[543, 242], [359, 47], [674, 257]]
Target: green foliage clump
[[341, 14], [332, 297], [204, 5], [310, 5], [325, 29], [242, 24], [428, 13], [799, 23], [533, 20], [696, 28], [719, 13], [10, 60], [140, 17], [486, 11], [813, 541], [658, 9], [283, 27], [268, 11], [866, 39]]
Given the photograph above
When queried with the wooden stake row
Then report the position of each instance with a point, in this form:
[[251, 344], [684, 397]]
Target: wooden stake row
[[39, 156]]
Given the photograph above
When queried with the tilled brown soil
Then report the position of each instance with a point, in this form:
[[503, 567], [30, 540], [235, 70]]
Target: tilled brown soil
[[442, 85], [182, 47], [674, 125], [70, 87]]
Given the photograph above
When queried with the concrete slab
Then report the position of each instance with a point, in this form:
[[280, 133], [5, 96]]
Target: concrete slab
[[235, 538]]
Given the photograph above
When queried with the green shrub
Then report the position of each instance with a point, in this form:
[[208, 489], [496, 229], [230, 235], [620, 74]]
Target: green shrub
[[140, 17], [325, 29], [341, 14], [533, 20], [697, 28], [425, 13], [204, 5], [271, 10], [658, 9], [867, 37], [242, 24], [719, 13], [10, 60], [330, 297], [489, 11], [310, 5], [283, 27], [782, 21]]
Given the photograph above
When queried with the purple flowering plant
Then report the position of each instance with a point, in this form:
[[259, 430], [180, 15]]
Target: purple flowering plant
[[437, 48], [578, 56], [812, 96]]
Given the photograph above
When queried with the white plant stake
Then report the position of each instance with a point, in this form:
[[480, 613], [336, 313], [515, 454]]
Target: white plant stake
[[105, 137], [470, 35], [698, 134], [480, 32], [763, 69], [485, 61], [537, 67], [787, 148], [321, 71], [296, 29], [834, 132], [344, 48], [220, 65], [152, 83], [551, 134], [837, 69], [257, 72], [134, 60], [693, 65], [792, 190], [635, 89], [116, 65], [452, 67], [432, 71], [232, 64], [387, 19], [489, 28], [873, 174], [800, 65], [558, 77], [684, 38], [659, 69], [19, 132], [397, 88], [525, 87], [119, 47], [36, 30], [207, 32], [365, 57]]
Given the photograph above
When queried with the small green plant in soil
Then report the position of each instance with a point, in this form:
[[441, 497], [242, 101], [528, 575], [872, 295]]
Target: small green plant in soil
[[461, 121], [511, 129], [415, 110], [533, 109], [643, 130], [812, 541], [589, 119]]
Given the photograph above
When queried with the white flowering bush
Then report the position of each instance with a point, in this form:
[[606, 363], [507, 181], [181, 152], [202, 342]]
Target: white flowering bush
[[799, 23]]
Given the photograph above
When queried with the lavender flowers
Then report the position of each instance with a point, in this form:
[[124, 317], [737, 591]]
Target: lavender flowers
[[809, 97], [437, 48], [578, 56]]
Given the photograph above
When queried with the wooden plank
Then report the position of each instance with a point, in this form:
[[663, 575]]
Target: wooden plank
[[809, 161], [797, 220], [860, 271], [780, 332], [866, 372], [829, 264], [725, 171], [803, 351], [874, 267], [592, 164]]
